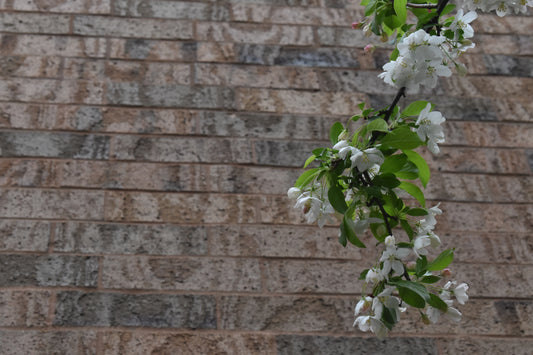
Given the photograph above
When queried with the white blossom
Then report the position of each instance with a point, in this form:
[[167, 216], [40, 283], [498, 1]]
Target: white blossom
[[294, 192], [428, 128], [364, 304], [462, 21], [391, 259], [374, 276], [367, 158]]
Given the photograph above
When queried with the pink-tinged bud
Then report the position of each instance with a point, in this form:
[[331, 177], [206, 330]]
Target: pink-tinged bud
[[446, 273], [357, 25], [369, 48]]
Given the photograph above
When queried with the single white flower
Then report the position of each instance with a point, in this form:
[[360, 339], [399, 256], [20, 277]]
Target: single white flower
[[391, 259], [367, 323], [462, 22], [460, 293], [294, 192], [390, 241], [429, 128], [363, 305], [420, 244], [367, 158], [374, 276]]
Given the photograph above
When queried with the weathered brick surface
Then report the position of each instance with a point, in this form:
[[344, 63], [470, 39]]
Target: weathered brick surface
[[146, 148]]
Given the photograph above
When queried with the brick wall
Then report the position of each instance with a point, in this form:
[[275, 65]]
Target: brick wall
[[146, 149]]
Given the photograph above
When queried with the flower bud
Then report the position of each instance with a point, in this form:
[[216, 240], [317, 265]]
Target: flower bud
[[461, 69], [369, 48], [390, 241], [367, 30], [446, 273], [343, 135], [357, 25], [425, 319]]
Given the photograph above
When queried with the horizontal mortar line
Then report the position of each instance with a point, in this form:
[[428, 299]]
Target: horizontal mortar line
[[105, 36]]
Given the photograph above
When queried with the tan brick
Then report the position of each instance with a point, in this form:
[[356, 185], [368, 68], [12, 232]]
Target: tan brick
[[132, 27], [172, 9], [191, 274], [151, 49], [518, 45], [488, 134], [43, 45], [34, 23], [71, 6], [187, 343], [53, 91], [30, 66], [216, 52], [24, 308], [180, 207], [51, 204], [293, 101], [469, 345], [48, 342], [522, 246], [17, 172], [486, 86], [253, 33], [17, 235], [83, 68], [164, 73], [490, 23]]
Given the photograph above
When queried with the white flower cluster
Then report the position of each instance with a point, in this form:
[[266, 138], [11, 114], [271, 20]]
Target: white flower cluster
[[428, 126], [314, 206], [502, 7], [426, 237], [448, 290]]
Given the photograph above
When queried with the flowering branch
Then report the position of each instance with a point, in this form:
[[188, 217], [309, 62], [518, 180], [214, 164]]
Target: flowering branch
[[360, 181]]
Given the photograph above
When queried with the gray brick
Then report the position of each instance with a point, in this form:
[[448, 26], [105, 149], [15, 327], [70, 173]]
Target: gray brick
[[182, 149], [346, 37], [48, 270], [174, 10], [55, 145], [133, 94], [137, 28], [135, 48], [287, 313], [31, 23], [307, 344], [19, 235], [71, 6], [130, 239], [354, 81], [135, 310], [282, 153], [16, 342], [469, 345], [509, 65]]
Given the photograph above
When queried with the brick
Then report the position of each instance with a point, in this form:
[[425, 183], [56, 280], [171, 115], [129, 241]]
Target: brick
[[287, 313], [48, 342], [509, 135], [132, 27], [163, 73], [503, 44], [187, 344], [30, 66], [29, 173], [48, 270], [177, 96], [50, 90], [313, 276], [57, 145], [19, 235], [486, 86], [479, 188], [83, 68], [51, 204], [293, 15], [188, 274], [292, 101], [90, 238], [174, 10], [490, 23], [135, 310], [479, 247], [522, 246], [182, 149], [23, 309], [240, 179], [468, 345], [216, 52], [134, 176], [45, 45], [253, 33], [180, 207], [279, 210], [353, 81], [283, 153], [509, 65], [71, 6], [283, 241], [255, 76], [263, 125], [346, 37], [152, 49], [300, 344], [34, 23]]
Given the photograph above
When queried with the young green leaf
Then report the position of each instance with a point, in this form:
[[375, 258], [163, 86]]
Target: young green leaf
[[336, 198], [421, 266], [430, 279], [348, 229], [334, 132], [306, 177], [386, 180], [443, 260], [423, 168], [414, 108], [417, 212], [309, 160], [402, 138], [412, 293], [437, 302], [407, 228], [378, 124], [401, 11], [393, 163], [414, 191]]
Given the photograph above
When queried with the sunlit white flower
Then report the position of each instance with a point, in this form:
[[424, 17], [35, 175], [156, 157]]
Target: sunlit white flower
[[367, 158], [462, 22], [428, 127], [344, 148]]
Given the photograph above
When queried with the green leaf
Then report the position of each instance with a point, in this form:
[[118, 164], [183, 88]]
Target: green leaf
[[386, 180], [334, 132], [388, 317], [407, 228], [348, 229], [414, 108], [362, 275], [401, 11], [342, 239], [309, 160], [447, 9], [417, 212], [421, 266], [412, 293], [443, 260], [421, 164], [402, 138], [394, 55], [430, 279], [414, 191], [437, 302], [319, 151], [306, 177], [378, 124], [393, 163], [336, 198]]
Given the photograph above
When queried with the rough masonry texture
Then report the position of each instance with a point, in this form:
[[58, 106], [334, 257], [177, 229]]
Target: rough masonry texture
[[146, 148]]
